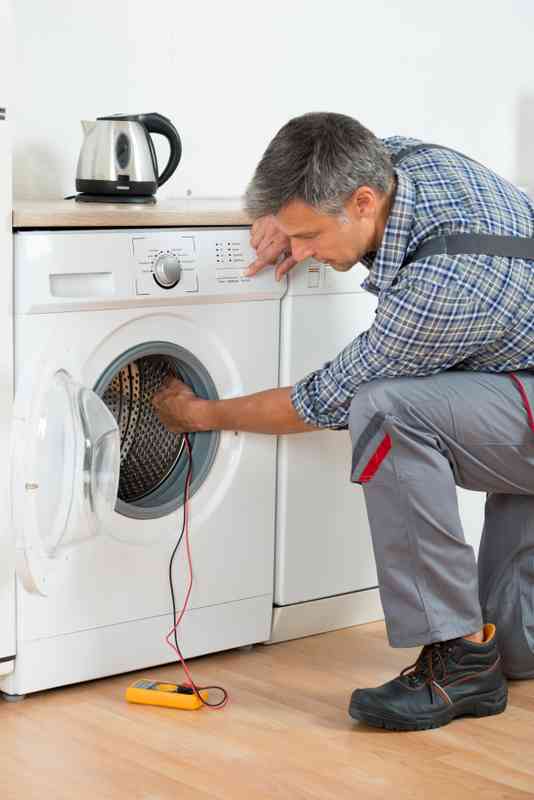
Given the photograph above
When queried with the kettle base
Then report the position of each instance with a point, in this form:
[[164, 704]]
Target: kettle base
[[111, 198]]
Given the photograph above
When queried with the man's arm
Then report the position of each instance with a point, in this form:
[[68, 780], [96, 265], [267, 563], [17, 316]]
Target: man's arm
[[270, 411]]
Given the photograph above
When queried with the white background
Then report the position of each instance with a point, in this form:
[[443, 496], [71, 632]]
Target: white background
[[230, 74]]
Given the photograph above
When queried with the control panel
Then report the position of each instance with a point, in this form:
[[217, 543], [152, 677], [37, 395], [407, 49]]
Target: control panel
[[189, 261], [106, 268], [165, 262]]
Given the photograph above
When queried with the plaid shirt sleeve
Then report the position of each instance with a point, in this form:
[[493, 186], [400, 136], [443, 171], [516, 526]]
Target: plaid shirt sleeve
[[420, 328]]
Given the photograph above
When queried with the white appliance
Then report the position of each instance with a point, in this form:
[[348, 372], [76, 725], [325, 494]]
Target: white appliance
[[7, 579], [325, 575], [103, 307]]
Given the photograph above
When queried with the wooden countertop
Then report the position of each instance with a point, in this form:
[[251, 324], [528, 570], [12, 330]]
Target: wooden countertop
[[164, 213]]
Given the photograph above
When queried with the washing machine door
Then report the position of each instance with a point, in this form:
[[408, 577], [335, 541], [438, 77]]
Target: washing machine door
[[65, 464]]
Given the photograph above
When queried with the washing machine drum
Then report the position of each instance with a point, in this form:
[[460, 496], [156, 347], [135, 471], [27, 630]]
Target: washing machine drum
[[154, 460], [149, 451]]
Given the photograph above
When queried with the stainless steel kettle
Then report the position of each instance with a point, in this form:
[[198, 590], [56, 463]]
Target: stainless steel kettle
[[117, 161]]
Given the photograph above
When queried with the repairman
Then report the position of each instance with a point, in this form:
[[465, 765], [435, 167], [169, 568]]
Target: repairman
[[436, 393]]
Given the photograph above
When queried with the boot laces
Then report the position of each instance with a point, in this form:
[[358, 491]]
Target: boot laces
[[431, 664]]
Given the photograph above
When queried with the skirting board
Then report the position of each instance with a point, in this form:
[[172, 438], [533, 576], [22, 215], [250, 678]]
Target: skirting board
[[328, 614]]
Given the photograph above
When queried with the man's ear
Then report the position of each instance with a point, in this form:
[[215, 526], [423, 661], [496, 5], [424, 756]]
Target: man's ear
[[362, 203]]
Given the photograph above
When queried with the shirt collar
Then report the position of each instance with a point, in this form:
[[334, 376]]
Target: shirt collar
[[392, 251]]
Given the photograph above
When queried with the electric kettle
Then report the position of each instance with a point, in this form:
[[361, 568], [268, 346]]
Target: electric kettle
[[117, 161]]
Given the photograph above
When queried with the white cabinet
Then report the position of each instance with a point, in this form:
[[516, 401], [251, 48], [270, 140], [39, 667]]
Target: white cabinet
[[323, 538], [325, 574], [7, 573]]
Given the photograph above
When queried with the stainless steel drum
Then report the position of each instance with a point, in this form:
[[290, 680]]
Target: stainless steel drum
[[154, 461], [149, 451]]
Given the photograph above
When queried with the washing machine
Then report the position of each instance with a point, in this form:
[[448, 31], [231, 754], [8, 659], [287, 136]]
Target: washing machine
[[98, 483], [325, 573]]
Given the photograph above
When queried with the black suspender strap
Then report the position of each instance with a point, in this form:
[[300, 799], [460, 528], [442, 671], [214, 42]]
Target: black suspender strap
[[459, 244], [466, 243]]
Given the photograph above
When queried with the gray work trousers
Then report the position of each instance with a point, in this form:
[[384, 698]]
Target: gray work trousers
[[414, 440]]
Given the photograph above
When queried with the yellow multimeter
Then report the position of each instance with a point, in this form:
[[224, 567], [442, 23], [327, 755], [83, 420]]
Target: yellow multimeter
[[172, 695]]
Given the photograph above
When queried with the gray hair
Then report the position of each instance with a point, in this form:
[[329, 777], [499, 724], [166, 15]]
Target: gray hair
[[320, 158]]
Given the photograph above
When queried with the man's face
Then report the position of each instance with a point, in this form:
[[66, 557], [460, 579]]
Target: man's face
[[339, 241]]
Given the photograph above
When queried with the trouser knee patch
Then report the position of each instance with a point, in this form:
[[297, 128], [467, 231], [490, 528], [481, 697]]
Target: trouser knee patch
[[371, 447]]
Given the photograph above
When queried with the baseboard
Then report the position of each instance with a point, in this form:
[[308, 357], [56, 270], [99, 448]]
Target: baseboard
[[328, 614]]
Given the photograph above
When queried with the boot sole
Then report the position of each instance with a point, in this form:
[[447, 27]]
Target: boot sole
[[483, 705], [519, 676]]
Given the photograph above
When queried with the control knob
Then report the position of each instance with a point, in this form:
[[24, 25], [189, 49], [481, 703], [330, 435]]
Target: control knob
[[167, 270]]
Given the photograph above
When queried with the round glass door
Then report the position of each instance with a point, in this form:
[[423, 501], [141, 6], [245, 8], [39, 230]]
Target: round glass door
[[54, 462], [65, 464]]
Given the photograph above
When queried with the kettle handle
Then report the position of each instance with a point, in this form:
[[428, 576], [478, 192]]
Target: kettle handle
[[157, 123]]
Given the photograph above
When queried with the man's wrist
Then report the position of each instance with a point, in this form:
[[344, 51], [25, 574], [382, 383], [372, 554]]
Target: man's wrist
[[203, 417]]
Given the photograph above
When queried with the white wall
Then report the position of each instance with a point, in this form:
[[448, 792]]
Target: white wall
[[229, 74]]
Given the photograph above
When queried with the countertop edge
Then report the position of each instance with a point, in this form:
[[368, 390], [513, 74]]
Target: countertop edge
[[65, 214]]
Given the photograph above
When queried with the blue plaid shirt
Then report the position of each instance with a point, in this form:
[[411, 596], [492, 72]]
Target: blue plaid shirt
[[469, 312]]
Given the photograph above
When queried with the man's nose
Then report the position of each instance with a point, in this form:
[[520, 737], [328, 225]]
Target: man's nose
[[301, 250]]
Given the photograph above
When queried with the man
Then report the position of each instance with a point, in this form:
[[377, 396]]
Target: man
[[430, 394]]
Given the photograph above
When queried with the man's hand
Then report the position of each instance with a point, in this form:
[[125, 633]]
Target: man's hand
[[175, 404], [272, 248]]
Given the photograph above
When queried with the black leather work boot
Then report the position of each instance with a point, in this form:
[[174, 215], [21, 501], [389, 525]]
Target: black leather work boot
[[450, 679]]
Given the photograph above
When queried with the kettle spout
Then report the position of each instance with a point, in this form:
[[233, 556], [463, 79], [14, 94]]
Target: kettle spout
[[88, 126]]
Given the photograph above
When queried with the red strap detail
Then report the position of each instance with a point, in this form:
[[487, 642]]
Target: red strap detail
[[525, 398], [376, 459]]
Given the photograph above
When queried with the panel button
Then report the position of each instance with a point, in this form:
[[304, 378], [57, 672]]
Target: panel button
[[314, 277]]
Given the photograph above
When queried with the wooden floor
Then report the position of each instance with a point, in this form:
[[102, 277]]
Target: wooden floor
[[285, 735]]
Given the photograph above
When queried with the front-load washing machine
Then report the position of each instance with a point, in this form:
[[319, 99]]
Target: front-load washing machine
[[97, 487]]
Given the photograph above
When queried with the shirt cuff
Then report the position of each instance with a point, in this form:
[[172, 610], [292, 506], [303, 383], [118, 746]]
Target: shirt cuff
[[304, 402]]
